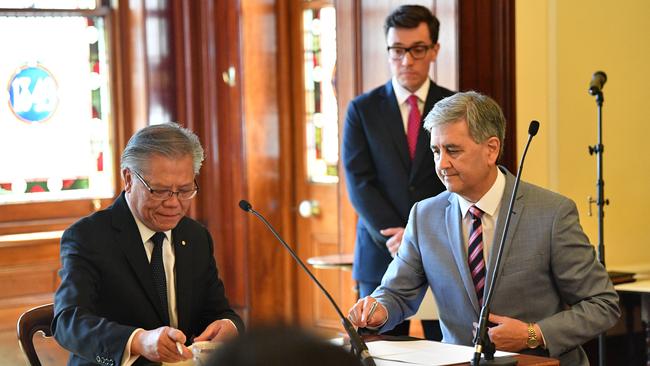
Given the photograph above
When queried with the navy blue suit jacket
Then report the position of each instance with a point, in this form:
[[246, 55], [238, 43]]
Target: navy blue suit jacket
[[383, 183], [107, 290]]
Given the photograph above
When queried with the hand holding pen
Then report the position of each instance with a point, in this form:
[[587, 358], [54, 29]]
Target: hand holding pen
[[368, 312]]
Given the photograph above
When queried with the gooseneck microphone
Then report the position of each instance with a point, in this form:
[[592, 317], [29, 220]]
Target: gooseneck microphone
[[482, 342], [598, 80], [359, 347]]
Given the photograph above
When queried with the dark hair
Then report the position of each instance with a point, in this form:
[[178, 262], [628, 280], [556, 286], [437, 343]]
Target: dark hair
[[281, 346], [410, 16]]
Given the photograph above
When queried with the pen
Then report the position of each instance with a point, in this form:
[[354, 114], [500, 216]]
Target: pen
[[373, 307], [179, 348]]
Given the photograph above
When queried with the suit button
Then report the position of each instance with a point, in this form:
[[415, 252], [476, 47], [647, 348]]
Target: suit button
[[411, 188]]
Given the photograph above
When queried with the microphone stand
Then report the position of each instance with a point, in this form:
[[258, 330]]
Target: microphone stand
[[357, 344], [482, 342], [600, 201]]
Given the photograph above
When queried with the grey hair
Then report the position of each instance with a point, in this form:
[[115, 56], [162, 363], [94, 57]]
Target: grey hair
[[483, 116], [168, 139]]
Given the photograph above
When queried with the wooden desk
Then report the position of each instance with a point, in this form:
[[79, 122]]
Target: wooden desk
[[527, 360], [334, 261]]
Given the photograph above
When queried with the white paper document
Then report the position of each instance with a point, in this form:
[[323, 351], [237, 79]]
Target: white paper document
[[401, 353]]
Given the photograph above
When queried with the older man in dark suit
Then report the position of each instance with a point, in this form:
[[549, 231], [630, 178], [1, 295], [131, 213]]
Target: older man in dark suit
[[139, 280], [386, 155]]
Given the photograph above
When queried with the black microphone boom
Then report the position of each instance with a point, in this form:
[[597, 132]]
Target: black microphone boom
[[482, 343], [597, 83], [358, 345]]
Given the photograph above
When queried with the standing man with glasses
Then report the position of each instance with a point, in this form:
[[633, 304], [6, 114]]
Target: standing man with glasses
[[387, 160], [138, 280]]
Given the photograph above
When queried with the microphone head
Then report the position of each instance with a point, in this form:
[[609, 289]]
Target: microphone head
[[532, 129], [244, 205], [598, 80]]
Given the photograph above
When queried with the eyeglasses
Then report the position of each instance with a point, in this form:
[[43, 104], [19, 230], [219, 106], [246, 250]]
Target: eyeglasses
[[165, 194], [417, 52]]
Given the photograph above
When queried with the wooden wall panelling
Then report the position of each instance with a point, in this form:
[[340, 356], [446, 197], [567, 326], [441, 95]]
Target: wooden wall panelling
[[130, 78], [160, 70], [307, 298], [205, 106], [348, 85], [232, 160], [219, 122], [487, 59], [285, 70], [28, 274], [265, 79]]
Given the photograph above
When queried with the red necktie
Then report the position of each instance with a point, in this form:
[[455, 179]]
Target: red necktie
[[413, 128], [475, 253]]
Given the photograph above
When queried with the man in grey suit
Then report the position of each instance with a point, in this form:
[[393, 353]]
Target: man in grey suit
[[552, 294]]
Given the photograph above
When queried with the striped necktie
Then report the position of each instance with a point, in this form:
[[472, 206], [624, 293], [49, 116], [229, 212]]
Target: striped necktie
[[475, 252]]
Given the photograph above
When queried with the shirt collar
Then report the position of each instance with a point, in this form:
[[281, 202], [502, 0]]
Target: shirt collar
[[145, 232], [490, 201], [402, 94]]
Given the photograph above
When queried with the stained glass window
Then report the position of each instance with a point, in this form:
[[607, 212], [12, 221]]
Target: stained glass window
[[55, 120], [322, 132]]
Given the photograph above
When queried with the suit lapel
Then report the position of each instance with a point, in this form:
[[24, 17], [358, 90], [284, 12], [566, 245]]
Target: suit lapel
[[454, 230], [183, 253], [517, 210], [391, 116], [128, 238]]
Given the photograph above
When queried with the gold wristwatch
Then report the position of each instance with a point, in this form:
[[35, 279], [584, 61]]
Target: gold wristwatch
[[532, 341]]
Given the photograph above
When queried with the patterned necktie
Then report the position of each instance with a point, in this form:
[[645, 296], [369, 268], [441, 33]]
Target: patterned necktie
[[475, 253], [413, 128], [158, 272]]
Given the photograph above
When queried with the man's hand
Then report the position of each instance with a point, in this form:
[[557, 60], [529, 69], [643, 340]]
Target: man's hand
[[395, 239], [361, 316], [218, 330], [510, 334], [160, 345]]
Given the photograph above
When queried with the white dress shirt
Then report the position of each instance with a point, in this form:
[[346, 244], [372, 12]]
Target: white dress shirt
[[402, 95], [169, 261], [489, 204]]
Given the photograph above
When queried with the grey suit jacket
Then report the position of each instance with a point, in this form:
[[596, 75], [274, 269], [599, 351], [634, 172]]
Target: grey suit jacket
[[549, 273]]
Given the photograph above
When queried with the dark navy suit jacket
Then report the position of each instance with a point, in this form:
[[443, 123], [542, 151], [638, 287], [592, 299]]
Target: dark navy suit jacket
[[107, 290], [382, 181]]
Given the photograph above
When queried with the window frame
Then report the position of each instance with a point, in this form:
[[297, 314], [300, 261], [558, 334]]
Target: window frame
[[31, 217]]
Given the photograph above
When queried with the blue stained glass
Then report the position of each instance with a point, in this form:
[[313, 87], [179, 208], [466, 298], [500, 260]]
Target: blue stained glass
[[33, 94]]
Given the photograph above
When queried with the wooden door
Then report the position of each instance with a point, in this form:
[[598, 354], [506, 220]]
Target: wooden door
[[330, 229], [316, 141]]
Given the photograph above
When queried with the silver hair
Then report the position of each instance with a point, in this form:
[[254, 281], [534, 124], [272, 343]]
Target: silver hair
[[483, 116], [168, 139]]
